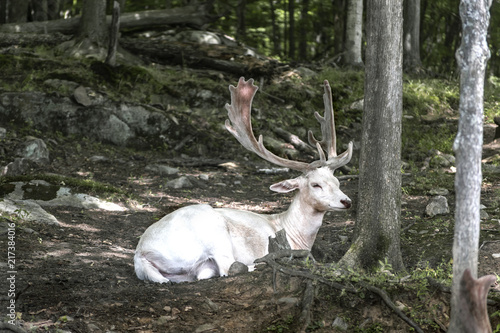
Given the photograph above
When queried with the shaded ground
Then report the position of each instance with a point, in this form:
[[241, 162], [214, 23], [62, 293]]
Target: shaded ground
[[78, 277]]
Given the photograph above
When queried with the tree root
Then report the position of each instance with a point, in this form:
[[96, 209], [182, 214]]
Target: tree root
[[308, 297]]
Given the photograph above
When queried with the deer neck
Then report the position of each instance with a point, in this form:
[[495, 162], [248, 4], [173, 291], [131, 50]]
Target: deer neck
[[301, 223]]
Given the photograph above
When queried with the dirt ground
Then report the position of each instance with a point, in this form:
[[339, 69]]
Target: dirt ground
[[79, 276]]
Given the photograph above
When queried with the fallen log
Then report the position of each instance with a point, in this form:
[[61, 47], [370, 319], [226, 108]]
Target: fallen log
[[193, 15]]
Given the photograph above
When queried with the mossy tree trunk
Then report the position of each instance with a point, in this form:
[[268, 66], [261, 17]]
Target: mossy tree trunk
[[379, 200], [472, 57]]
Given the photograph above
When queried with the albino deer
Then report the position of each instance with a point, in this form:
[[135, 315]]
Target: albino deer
[[199, 242]]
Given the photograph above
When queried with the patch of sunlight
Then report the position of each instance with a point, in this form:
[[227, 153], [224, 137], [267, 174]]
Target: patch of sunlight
[[80, 226]]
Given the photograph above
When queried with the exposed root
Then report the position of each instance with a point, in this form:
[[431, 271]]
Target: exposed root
[[308, 297]]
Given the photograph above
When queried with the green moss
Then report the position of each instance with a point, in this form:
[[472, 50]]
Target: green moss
[[86, 185]]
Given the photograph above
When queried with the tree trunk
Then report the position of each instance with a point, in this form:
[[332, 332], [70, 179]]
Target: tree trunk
[[40, 10], [240, 16], [196, 15], [411, 36], [379, 200], [17, 11], [114, 35], [472, 57], [291, 29], [276, 35], [304, 21], [353, 34], [93, 22], [339, 13]]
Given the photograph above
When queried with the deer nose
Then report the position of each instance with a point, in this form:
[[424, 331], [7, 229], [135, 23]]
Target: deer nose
[[346, 203]]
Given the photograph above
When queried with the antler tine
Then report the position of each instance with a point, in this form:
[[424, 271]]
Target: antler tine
[[327, 125], [329, 136], [239, 125]]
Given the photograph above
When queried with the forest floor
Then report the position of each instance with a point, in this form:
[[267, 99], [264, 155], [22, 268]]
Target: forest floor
[[79, 276]]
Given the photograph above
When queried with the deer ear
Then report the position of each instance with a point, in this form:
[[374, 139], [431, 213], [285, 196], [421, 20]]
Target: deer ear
[[285, 186]]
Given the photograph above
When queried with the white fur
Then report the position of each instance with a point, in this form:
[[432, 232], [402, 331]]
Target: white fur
[[199, 242]]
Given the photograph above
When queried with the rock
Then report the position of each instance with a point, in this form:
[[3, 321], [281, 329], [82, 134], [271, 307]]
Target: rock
[[439, 191], [198, 36], [496, 255], [357, 105], [181, 182], [35, 150], [104, 120], [237, 268], [343, 239], [18, 167], [442, 160], [161, 169], [206, 328], [3, 133], [98, 159], [438, 205], [305, 72], [340, 324], [27, 210], [81, 96]]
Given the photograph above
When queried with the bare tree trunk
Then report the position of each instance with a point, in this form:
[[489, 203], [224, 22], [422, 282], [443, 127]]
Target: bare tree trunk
[[379, 201], [240, 15], [40, 10], [276, 35], [353, 34], [304, 20], [291, 29], [339, 13], [411, 36], [93, 22], [17, 11], [114, 35], [472, 57]]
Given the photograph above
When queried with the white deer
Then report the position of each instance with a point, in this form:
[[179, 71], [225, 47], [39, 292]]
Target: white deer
[[199, 242]]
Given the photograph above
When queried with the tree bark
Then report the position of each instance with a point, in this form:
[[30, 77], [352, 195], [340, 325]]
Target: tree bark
[[304, 22], [291, 29], [114, 35], [17, 11], [353, 34], [93, 22], [196, 15], [240, 16], [379, 200], [472, 57], [411, 36], [276, 34]]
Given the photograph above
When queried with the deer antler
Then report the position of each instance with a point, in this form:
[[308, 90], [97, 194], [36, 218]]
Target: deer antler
[[240, 125], [329, 141]]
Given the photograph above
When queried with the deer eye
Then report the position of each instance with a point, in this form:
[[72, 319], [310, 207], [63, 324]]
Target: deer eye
[[318, 186]]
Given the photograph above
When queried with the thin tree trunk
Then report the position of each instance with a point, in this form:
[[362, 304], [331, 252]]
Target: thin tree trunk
[[304, 20], [339, 13], [411, 36], [472, 57], [240, 15], [354, 32], [114, 35], [379, 201], [291, 29], [276, 35]]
